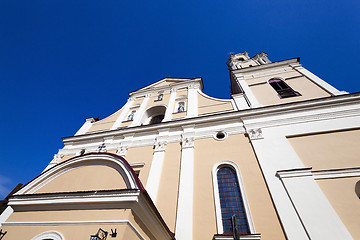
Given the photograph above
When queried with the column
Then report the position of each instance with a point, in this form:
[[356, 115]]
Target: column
[[140, 112], [153, 182], [192, 104], [170, 108], [184, 217], [249, 94], [123, 113]]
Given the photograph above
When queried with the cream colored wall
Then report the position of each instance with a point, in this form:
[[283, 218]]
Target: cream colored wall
[[266, 95], [106, 123], [86, 178], [181, 91], [235, 148], [153, 100], [78, 231], [264, 77], [179, 115], [341, 194], [169, 184], [328, 150], [208, 105], [139, 155]]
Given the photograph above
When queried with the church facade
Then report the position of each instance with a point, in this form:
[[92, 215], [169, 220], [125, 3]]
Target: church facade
[[279, 160]]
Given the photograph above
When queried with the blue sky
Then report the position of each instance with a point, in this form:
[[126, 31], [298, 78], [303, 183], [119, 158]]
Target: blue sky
[[64, 61]]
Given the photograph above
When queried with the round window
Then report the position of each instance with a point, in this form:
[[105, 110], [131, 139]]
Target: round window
[[220, 135]]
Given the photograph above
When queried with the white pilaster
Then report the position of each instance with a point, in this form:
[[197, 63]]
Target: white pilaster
[[153, 182], [6, 214], [303, 209], [317, 80], [140, 112], [123, 113], [170, 108], [184, 217], [240, 101], [86, 126], [192, 105], [267, 149], [315, 211], [248, 93]]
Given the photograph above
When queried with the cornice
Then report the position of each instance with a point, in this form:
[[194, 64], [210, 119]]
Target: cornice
[[186, 82], [265, 66], [243, 115]]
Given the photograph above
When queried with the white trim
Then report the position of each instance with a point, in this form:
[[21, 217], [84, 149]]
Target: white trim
[[140, 112], [6, 214], [55, 235], [98, 159], [247, 91], [220, 139], [85, 127], [317, 80], [79, 199], [184, 216], [320, 174], [170, 108], [215, 169], [123, 114], [153, 182], [192, 108]]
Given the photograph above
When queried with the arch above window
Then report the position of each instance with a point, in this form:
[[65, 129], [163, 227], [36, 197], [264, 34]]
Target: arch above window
[[154, 115], [227, 174], [51, 235], [357, 189], [283, 90]]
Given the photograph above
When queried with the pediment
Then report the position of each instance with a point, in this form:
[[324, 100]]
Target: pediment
[[89, 172], [165, 83]]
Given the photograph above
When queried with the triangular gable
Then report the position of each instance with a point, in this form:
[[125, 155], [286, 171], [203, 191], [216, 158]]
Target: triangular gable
[[163, 83]]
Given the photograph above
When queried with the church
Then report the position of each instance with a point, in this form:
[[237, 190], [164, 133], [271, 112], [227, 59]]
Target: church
[[277, 160]]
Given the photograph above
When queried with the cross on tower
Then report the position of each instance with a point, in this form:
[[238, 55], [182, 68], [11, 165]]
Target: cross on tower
[[102, 147]]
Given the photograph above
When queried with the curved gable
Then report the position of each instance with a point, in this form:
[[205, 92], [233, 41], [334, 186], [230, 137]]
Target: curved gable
[[95, 171]]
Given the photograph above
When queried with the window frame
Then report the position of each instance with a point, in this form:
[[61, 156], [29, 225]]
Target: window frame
[[219, 222], [286, 92], [178, 104]]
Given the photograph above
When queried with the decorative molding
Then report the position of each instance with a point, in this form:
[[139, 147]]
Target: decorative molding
[[159, 145], [121, 151], [319, 174], [187, 142], [102, 148], [305, 106], [97, 158], [255, 134], [54, 235]]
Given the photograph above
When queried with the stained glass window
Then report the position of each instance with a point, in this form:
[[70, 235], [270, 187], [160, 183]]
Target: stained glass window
[[231, 201]]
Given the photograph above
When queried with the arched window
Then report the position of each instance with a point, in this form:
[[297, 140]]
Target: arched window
[[230, 200], [154, 115], [181, 107], [49, 235], [131, 115], [283, 90], [357, 189]]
